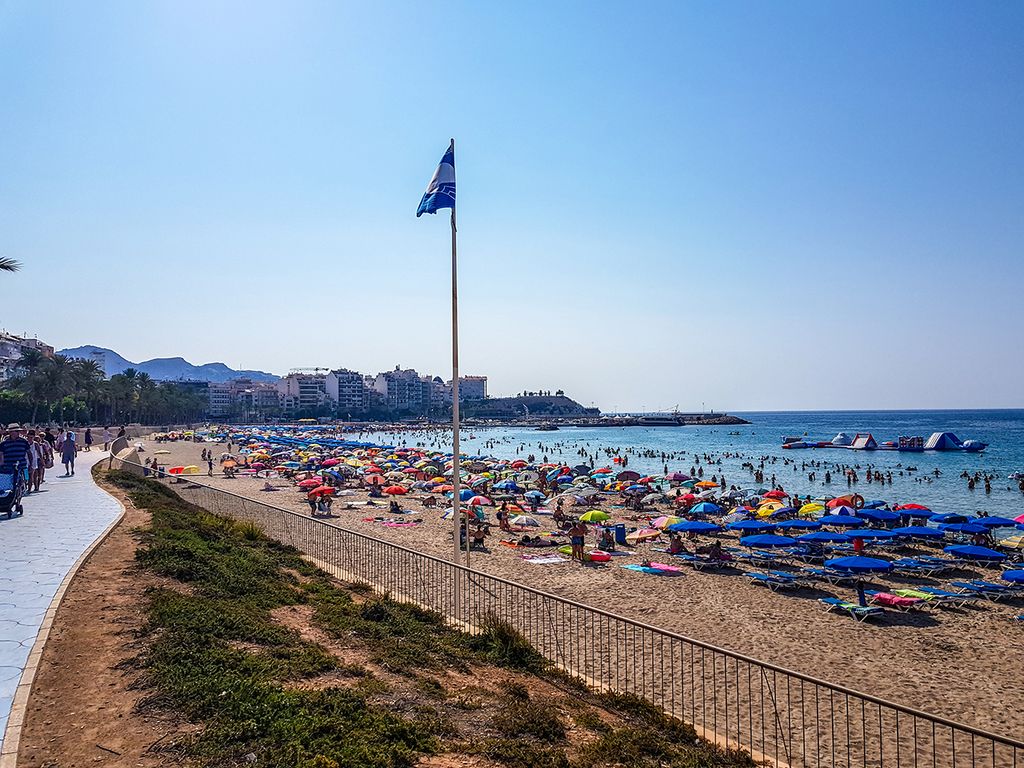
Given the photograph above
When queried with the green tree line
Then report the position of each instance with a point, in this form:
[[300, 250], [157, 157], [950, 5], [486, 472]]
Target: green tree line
[[65, 390]]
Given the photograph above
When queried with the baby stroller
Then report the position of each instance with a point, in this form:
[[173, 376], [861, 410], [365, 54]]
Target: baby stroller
[[12, 486]]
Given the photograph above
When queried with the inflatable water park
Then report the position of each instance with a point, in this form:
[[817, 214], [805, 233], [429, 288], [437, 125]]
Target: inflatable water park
[[938, 441]]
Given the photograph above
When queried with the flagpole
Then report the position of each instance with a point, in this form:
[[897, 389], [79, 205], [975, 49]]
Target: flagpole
[[456, 468]]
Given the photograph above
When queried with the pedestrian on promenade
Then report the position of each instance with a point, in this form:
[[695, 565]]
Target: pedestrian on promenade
[[14, 451], [107, 437], [88, 438], [68, 451]]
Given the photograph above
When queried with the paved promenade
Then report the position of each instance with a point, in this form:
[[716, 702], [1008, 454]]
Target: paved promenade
[[37, 552]]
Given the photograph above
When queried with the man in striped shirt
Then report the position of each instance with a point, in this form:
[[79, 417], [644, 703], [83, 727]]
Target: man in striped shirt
[[14, 460]]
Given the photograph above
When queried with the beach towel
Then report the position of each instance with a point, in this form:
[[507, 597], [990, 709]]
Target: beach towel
[[544, 559], [662, 571]]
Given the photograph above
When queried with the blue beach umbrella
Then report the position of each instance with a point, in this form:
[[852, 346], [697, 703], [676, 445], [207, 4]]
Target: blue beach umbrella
[[859, 564], [705, 508], [962, 528], [918, 532], [750, 525], [1014, 576], [870, 533], [767, 541], [972, 552], [806, 525], [848, 521], [824, 537], [948, 517], [995, 522], [694, 526], [875, 504], [878, 515]]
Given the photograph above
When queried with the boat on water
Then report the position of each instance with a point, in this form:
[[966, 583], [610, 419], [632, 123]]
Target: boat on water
[[939, 441], [546, 427]]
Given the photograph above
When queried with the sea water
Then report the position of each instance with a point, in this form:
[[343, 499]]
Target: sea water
[[930, 478]]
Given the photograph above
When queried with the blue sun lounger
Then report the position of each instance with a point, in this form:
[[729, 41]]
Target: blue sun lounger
[[985, 589], [775, 580], [859, 612], [944, 597], [829, 575], [915, 567]]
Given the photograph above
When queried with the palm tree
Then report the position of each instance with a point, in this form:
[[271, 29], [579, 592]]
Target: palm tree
[[9, 265], [88, 378], [59, 375]]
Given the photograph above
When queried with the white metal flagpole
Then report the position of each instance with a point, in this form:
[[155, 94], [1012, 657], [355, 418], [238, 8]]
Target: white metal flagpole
[[456, 468]]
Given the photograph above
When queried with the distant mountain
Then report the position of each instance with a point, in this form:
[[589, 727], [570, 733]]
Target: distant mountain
[[164, 368]]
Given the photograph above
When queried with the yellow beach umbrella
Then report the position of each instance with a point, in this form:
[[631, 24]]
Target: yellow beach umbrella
[[812, 508]]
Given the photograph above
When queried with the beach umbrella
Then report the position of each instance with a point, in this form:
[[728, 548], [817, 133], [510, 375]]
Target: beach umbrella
[[323, 490], [1013, 541], [534, 495], [972, 552], [374, 480], [665, 521], [677, 477], [705, 508], [1013, 576], [642, 534], [918, 532], [842, 509], [465, 494], [824, 537], [652, 497], [479, 501], [811, 508], [995, 522], [395, 490], [870, 533], [594, 516], [949, 517], [848, 521], [877, 515], [806, 525], [912, 507], [962, 528], [526, 521], [784, 511], [706, 484], [916, 514], [875, 504], [313, 482], [628, 474], [693, 526], [858, 564], [587, 491], [776, 494], [767, 541], [751, 525]]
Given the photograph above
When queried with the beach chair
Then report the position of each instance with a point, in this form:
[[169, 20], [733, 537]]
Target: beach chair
[[858, 612], [913, 567], [829, 575], [773, 580], [989, 591], [943, 563], [892, 600], [940, 597]]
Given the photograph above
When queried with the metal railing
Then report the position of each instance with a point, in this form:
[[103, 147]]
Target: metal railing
[[778, 715]]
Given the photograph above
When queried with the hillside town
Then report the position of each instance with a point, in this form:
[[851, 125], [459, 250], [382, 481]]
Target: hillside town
[[91, 383]]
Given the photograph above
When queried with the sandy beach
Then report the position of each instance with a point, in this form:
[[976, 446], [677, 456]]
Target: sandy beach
[[964, 664]]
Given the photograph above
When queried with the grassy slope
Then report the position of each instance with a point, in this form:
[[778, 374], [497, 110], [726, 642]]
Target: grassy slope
[[217, 656]]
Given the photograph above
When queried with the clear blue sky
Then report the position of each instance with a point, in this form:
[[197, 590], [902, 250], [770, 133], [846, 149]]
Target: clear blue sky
[[752, 205]]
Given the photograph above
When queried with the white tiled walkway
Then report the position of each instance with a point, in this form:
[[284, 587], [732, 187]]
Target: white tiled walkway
[[37, 550]]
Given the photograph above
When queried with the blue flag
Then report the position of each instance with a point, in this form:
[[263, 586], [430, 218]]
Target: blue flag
[[441, 189]]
